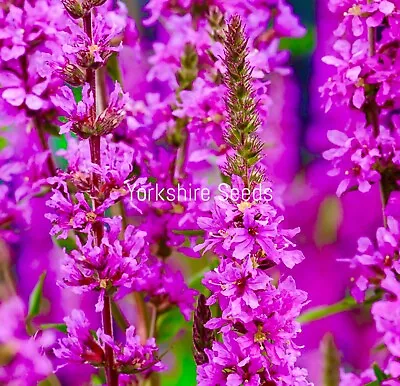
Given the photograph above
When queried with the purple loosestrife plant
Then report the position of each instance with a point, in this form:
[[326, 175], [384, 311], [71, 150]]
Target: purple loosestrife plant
[[257, 318], [94, 182], [59, 75], [367, 155]]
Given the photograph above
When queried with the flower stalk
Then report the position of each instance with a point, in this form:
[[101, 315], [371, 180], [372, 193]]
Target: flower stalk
[[95, 153]]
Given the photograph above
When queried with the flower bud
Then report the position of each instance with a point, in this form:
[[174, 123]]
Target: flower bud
[[114, 114], [109, 120], [72, 75], [74, 8]]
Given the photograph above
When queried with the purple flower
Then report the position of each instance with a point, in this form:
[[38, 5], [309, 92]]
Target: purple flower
[[165, 287], [237, 285], [79, 346], [92, 53], [107, 267], [387, 313], [80, 119], [134, 357], [114, 113], [355, 158], [23, 354]]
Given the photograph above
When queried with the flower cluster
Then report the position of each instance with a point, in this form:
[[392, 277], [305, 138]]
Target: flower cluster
[[366, 82], [258, 317], [109, 256], [21, 354], [63, 86], [367, 154]]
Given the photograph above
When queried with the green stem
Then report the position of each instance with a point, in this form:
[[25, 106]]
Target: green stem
[[322, 312]]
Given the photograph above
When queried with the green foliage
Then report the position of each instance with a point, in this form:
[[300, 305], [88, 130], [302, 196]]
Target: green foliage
[[62, 327], [69, 244], [113, 69], [300, 46], [321, 312], [57, 143], [35, 302], [380, 376], [77, 91], [3, 143], [35, 299], [184, 371], [51, 380], [170, 324]]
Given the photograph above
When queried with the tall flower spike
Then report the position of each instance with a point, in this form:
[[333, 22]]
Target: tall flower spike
[[243, 117], [257, 323]]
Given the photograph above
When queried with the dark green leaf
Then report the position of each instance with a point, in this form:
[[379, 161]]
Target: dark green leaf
[[169, 324], [325, 311], [35, 299], [113, 69], [380, 375], [3, 143], [302, 46], [62, 327], [77, 91]]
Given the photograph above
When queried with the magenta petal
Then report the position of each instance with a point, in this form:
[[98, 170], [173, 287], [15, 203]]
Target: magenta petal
[[33, 102], [359, 98], [14, 96]]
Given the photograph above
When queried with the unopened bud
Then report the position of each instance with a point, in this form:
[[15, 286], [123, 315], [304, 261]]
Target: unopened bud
[[74, 8], [108, 121], [73, 75]]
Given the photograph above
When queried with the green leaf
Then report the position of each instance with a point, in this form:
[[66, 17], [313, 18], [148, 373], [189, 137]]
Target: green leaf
[[97, 380], [300, 46], [380, 375], [189, 232], [69, 243], [119, 316], [113, 69], [321, 312], [3, 143], [35, 299], [77, 91], [169, 324], [62, 327], [59, 142]]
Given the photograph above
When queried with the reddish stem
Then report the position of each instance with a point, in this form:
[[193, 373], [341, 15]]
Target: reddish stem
[[95, 154], [112, 374]]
